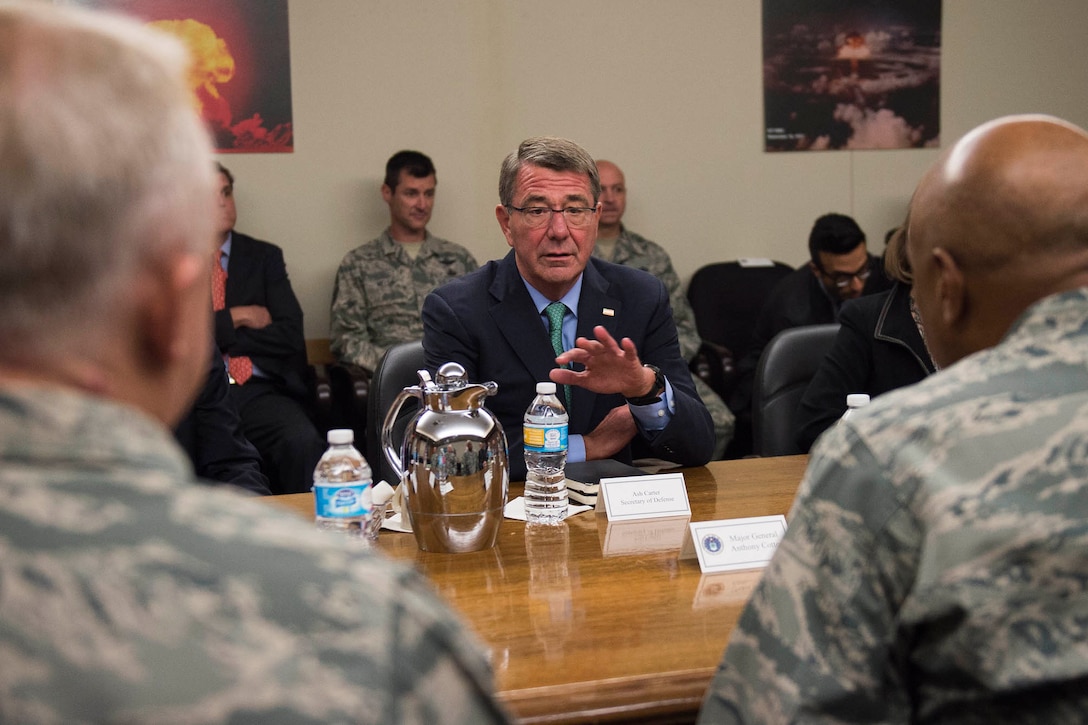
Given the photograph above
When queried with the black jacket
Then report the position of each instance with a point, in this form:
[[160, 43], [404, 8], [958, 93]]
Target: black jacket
[[878, 349], [256, 275], [486, 321], [211, 433]]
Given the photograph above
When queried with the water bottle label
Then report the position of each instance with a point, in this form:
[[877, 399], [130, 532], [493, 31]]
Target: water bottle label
[[341, 500], [545, 438]]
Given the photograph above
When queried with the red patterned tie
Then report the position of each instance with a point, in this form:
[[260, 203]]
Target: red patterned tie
[[241, 367]]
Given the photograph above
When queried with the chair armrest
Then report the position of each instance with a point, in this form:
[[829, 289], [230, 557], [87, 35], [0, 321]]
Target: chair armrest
[[349, 386], [321, 395], [716, 366]]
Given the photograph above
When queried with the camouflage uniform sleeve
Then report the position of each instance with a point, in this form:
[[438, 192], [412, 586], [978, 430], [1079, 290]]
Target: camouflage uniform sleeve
[[349, 332], [654, 259], [469, 262], [441, 676], [817, 639], [682, 313]]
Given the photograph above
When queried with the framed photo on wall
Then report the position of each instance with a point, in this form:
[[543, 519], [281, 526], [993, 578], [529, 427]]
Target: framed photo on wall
[[241, 74], [851, 74]]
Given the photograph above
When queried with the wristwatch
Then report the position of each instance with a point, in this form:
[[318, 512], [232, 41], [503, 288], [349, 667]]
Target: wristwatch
[[654, 396]]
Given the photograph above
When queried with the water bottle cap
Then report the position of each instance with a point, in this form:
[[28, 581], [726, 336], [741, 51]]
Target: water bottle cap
[[340, 436], [545, 388], [857, 400]]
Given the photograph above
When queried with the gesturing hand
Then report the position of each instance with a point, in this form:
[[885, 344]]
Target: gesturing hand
[[610, 367]]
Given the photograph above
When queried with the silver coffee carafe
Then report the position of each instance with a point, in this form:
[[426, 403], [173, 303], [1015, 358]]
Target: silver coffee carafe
[[452, 462]]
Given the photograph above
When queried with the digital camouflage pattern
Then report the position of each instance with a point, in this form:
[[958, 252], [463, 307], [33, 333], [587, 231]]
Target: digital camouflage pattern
[[634, 250], [129, 594], [936, 563], [379, 292]]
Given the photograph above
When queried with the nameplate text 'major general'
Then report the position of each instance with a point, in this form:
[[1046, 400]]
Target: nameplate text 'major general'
[[734, 544]]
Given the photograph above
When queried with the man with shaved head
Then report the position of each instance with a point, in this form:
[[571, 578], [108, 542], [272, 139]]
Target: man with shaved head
[[936, 564], [619, 245]]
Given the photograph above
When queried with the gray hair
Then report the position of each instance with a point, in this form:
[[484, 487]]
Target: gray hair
[[104, 165], [549, 152]]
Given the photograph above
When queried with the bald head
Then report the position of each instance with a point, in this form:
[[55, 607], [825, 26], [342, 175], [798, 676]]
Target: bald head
[[613, 199], [999, 222]]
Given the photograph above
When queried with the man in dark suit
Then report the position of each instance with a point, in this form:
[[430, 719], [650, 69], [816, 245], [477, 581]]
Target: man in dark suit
[[628, 383], [211, 433], [258, 329]]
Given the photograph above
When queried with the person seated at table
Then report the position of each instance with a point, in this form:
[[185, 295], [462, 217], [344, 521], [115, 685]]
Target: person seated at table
[[934, 565], [548, 304], [129, 592], [879, 347], [840, 268]]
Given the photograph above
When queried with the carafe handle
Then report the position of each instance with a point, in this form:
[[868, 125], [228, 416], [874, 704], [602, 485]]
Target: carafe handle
[[391, 453]]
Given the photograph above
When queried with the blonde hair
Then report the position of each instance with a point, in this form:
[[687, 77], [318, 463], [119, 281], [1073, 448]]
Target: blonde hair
[[896, 263]]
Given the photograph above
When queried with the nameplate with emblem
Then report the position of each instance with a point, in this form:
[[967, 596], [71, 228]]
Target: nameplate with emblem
[[644, 497], [734, 544]]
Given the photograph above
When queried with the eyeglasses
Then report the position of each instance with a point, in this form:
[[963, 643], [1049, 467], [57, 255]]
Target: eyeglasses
[[843, 279], [536, 217]]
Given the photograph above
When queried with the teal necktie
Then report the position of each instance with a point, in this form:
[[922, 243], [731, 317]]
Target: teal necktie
[[556, 311]]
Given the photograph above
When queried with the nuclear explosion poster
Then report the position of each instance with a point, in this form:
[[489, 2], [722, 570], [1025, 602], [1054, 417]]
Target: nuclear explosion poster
[[851, 74], [241, 72]]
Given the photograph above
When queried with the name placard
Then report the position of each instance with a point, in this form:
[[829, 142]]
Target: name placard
[[625, 538], [644, 497], [735, 544]]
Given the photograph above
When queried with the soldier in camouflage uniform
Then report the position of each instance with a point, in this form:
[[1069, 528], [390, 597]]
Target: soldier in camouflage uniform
[[128, 593], [380, 286], [935, 565], [619, 245]]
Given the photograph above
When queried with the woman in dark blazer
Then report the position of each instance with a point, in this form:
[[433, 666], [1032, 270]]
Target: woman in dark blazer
[[879, 348]]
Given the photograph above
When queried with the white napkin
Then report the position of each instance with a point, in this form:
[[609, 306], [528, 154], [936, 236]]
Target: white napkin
[[516, 509], [395, 523]]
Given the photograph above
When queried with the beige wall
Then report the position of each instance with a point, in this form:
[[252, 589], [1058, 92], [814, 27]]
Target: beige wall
[[670, 90]]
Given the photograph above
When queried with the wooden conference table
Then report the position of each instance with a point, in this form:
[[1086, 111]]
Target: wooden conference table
[[591, 622]]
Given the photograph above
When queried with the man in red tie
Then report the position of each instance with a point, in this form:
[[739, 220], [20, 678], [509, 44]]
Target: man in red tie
[[258, 329]]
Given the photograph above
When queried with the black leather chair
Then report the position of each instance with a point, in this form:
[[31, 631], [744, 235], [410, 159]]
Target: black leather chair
[[726, 298], [396, 371], [788, 363], [338, 392]]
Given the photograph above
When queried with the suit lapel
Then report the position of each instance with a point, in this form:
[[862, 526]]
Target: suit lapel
[[518, 322], [238, 268]]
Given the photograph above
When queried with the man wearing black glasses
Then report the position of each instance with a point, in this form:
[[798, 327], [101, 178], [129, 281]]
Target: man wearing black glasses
[[840, 268], [548, 304]]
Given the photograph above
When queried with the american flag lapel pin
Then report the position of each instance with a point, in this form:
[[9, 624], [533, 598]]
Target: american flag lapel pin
[[608, 312]]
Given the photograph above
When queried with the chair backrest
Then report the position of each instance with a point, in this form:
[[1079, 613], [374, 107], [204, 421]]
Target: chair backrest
[[728, 296], [788, 363], [396, 371]]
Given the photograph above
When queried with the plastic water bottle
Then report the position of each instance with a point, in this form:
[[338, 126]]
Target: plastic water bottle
[[545, 436], [853, 402], [342, 486]]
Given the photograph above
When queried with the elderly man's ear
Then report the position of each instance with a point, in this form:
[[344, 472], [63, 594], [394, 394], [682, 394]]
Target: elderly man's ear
[[950, 288]]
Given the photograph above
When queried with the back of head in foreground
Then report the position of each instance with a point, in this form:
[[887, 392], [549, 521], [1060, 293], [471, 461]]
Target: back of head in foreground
[[933, 570], [130, 594]]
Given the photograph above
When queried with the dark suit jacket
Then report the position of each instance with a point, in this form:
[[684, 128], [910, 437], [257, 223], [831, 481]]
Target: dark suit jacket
[[211, 433], [796, 300], [878, 349], [487, 322], [256, 275]]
